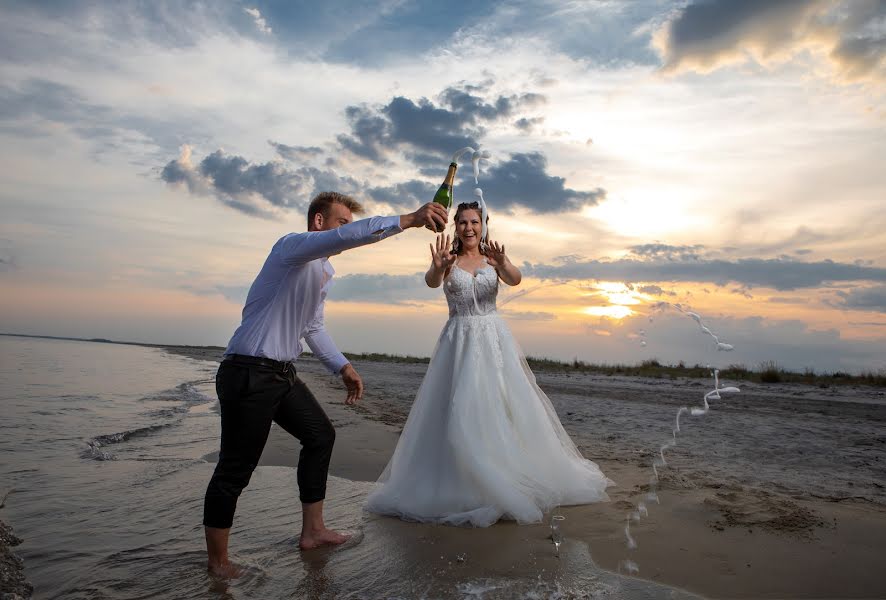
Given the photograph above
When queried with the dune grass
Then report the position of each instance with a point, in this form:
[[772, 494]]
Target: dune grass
[[765, 372]]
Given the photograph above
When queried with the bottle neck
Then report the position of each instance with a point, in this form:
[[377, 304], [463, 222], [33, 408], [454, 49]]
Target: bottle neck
[[450, 175]]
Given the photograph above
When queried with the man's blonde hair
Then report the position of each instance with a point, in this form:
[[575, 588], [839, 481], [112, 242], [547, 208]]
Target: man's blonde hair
[[322, 201]]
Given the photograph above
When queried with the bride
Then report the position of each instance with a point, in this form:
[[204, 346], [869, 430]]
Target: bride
[[482, 441]]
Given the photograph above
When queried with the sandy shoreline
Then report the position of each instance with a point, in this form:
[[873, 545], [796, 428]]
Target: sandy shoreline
[[711, 535]]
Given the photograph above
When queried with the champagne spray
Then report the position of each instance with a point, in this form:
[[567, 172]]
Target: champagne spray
[[476, 156]]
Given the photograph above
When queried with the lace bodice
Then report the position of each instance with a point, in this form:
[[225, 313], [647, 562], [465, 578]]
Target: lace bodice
[[468, 294]]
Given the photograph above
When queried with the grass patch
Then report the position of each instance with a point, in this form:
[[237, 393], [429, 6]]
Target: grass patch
[[766, 372]]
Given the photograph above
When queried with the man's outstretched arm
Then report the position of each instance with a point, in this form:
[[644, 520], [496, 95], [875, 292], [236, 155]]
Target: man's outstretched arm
[[305, 247]]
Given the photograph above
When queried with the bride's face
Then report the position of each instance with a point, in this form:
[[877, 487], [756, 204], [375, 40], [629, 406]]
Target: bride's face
[[468, 228]]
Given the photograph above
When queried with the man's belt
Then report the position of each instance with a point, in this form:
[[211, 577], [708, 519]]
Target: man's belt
[[260, 361]]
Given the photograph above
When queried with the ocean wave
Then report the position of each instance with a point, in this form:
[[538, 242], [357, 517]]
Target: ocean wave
[[95, 445], [185, 394]]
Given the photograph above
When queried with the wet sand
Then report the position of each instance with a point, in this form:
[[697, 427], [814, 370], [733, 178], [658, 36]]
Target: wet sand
[[753, 528]]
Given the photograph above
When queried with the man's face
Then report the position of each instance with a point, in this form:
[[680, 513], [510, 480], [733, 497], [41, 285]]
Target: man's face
[[339, 215]]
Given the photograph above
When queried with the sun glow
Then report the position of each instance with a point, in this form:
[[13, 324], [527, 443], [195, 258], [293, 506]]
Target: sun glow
[[614, 311], [618, 296]]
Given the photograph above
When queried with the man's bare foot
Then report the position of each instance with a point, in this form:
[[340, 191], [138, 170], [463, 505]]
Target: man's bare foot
[[321, 537], [225, 570]]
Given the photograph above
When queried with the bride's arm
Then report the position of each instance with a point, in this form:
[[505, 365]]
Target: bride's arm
[[496, 257], [441, 260], [434, 276]]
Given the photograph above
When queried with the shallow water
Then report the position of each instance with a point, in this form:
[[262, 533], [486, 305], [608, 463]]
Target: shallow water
[[102, 447]]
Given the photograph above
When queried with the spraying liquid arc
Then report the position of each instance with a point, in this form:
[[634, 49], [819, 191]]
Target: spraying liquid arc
[[476, 157], [630, 566]]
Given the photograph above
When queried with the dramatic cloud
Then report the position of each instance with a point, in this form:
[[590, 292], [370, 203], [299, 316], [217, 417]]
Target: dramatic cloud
[[422, 131], [749, 272], [457, 120], [707, 34], [255, 189], [522, 180]]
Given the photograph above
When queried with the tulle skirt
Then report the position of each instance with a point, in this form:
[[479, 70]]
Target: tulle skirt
[[482, 441]]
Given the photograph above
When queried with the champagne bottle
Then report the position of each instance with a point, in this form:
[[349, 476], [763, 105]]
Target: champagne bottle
[[443, 196]]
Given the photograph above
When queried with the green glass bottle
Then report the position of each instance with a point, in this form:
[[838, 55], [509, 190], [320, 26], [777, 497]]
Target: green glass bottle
[[443, 196]]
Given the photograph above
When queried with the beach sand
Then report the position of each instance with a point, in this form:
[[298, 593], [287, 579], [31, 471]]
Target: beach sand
[[754, 528]]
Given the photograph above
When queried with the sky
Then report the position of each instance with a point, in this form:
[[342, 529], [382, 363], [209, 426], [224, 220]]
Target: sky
[[725, 157]]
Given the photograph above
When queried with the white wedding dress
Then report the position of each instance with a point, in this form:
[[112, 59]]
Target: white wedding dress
[[482, 441]]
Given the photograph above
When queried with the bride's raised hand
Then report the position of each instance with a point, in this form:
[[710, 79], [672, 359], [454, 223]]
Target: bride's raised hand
[[495, 254], [440, 253]]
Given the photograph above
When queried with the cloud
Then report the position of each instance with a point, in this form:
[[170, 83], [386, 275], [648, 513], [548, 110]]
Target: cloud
[[383, 288], [371, 33], [849, 35], [107, 129], [456, 120], [255, 189], [607, 35], [528, 125], [407, 195], [260, 23], [420, 130], [749, 272], [667, 252], [871, 298], [296, 153], [522, 180], [654, 290]]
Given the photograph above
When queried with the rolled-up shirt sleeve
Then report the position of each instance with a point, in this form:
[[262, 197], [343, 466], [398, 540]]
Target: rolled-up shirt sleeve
[[321, 344], [299, 248]]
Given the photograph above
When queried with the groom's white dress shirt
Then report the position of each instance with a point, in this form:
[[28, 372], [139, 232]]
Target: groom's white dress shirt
[[286, 300]]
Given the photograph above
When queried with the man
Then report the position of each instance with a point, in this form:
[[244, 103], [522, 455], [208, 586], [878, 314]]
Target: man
[[256, 382]]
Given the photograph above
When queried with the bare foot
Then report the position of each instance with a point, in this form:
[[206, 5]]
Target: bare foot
[[225, 570], [321, 537]]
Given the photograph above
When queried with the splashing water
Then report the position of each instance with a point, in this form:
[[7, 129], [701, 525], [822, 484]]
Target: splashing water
[[476, 156], [483, 213], [661, 306], [475, 162], [556, 534], [629, 566], [458, 153], [660, 461]]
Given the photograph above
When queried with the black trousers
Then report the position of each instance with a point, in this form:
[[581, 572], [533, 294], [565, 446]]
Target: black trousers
[[251, 396]]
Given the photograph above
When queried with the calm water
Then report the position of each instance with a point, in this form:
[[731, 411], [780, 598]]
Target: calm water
[[102, 447]]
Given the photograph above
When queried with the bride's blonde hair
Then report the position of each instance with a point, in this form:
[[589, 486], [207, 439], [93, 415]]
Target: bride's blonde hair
[[456, 243]]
